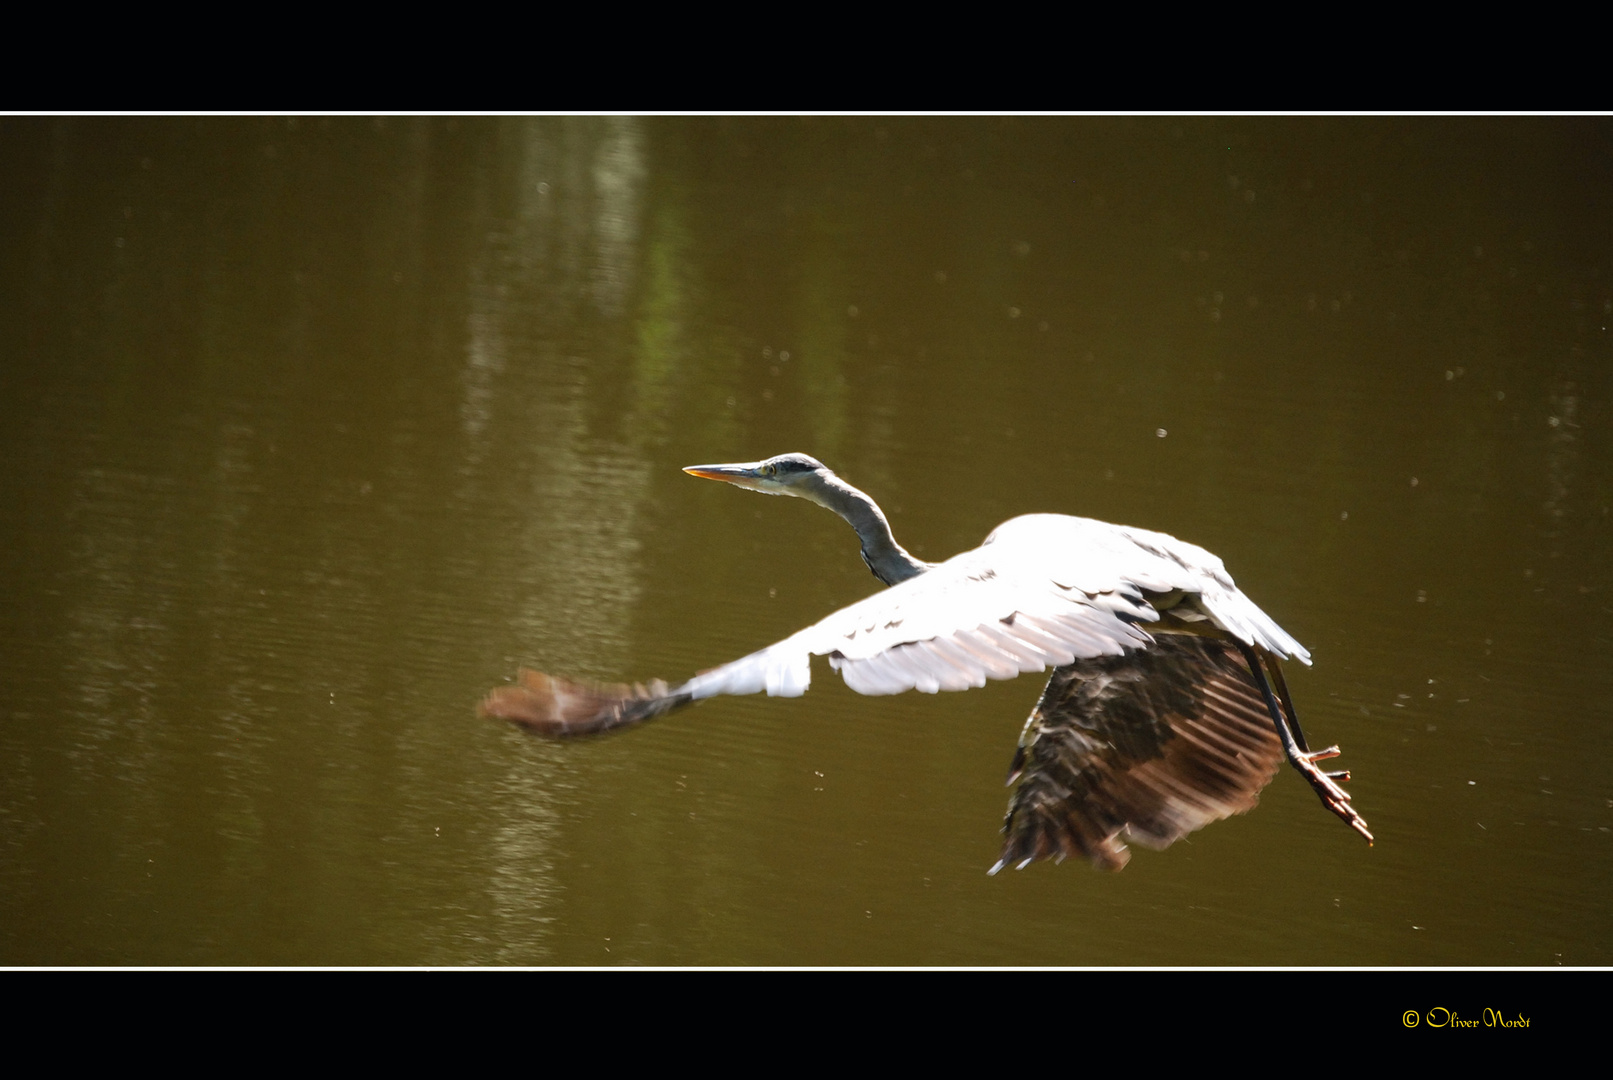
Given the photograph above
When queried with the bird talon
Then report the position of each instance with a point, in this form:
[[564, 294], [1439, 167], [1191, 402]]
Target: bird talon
[[1333, 797]]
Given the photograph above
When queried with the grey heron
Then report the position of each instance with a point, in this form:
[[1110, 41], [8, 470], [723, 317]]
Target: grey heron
[[1166, 710]]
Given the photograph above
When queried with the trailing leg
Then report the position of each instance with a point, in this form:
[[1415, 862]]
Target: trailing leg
[[1300, 756]]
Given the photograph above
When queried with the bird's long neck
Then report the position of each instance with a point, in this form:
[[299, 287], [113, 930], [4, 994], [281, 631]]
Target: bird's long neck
[[889, 561]]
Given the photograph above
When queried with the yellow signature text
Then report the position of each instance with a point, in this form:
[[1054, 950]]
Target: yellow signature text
[[1441, 1017]]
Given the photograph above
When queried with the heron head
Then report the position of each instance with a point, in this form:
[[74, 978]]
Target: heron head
[[786, 474]]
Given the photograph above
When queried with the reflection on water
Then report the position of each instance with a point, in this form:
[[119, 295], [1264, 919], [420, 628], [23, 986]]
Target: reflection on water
[[314, 428], [565, 246]]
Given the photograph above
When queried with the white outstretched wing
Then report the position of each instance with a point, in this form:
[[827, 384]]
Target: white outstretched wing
[[1043, 591]]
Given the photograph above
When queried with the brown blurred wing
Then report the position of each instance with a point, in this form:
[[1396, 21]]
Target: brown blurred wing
[[560, 708], [1146, 747]]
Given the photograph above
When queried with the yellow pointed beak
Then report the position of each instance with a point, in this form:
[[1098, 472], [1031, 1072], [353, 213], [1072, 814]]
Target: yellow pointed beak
[[744, 475]]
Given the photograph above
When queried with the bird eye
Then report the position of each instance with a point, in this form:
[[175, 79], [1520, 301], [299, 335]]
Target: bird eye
[[769, 470]]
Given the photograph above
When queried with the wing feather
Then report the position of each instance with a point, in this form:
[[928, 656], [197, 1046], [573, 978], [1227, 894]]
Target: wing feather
[[1145, 747], [1044, 591], [987, 656], [1028, 656]]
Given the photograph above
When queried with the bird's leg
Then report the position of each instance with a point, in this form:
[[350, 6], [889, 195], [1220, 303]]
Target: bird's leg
[[1300, 756], [1275, 671]]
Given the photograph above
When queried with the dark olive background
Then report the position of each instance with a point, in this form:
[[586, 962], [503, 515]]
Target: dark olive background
[[313, 429]]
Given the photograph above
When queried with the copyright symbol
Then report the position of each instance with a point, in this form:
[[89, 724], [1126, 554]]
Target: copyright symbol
[[1409, 1018]]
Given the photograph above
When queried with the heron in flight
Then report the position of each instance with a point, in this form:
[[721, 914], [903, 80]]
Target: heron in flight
[[1166, 709]]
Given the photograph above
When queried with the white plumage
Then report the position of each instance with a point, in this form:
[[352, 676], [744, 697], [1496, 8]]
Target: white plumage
[[1162, 713]]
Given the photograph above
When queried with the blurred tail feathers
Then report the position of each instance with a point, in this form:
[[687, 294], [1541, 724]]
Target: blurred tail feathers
[[559, 708]]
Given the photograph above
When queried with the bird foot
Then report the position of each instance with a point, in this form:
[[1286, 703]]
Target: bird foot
[[1325, 784]]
